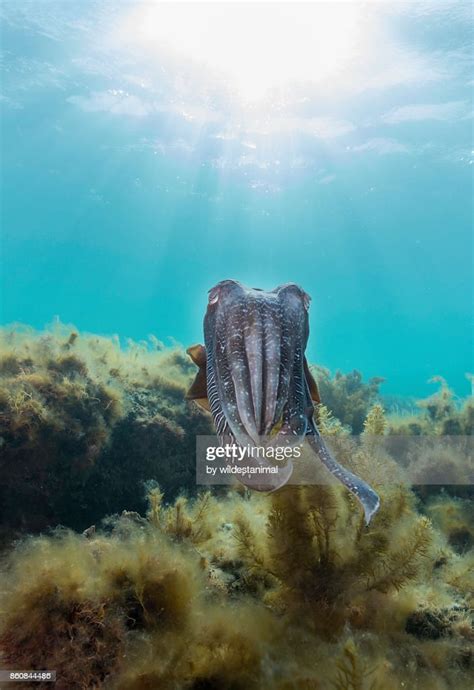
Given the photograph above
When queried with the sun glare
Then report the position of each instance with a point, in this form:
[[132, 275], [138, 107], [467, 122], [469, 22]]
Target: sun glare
[[255, 47]]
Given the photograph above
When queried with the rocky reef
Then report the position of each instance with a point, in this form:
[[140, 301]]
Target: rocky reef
[[117, 573], [84, 422]]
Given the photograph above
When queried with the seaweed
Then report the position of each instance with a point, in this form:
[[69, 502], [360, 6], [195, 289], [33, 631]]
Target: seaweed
[[222, 589], [352, 675], [454, 517], [442, 414], [347, 396], [375, 423], [84, 423], [240, 591], [323, 560]]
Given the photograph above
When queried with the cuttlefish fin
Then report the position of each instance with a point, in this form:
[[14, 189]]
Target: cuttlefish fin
[[367, 496], [198, 389], [312, 385]]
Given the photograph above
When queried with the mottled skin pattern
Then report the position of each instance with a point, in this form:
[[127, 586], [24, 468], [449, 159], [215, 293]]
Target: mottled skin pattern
[[255, 380]]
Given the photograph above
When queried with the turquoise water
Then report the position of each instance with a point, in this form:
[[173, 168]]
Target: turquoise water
[[135, 177]]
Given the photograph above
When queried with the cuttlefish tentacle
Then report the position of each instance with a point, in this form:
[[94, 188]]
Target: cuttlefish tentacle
[[254, 378], [366, 495]]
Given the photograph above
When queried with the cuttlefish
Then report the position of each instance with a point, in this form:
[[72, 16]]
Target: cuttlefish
[[254, 378]]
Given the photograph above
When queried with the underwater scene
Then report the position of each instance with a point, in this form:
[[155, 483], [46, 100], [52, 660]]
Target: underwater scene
[[236, 345]]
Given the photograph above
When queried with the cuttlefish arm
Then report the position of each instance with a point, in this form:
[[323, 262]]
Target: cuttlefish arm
[[198, 393], [198, 390]]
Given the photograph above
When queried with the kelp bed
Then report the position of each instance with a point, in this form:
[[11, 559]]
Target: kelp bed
[[226, 590]]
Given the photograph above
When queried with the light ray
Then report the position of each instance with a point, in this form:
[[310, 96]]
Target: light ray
[[256, 47]]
